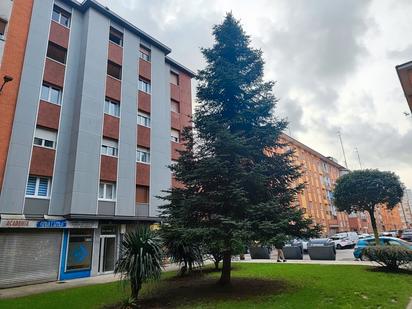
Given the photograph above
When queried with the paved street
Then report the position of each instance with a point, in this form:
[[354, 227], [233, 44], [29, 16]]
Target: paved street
[[343, 257]]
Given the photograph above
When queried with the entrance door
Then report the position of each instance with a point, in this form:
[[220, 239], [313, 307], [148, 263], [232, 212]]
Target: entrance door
[[107, 255]]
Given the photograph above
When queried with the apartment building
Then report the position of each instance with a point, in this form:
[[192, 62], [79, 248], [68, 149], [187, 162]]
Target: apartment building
[[406, 209], [405, 77], [91, 121], [319, 176]]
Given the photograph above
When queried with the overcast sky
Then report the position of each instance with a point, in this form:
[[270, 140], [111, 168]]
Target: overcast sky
[[334, 63]]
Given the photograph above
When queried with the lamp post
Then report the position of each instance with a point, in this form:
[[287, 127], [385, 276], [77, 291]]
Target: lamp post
[[6, 79]]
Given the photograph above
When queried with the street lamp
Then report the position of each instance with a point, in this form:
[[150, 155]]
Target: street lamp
[[6, 79]]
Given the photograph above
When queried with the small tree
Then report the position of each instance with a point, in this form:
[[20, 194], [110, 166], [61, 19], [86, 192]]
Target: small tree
[[140, 258], [365, 190]]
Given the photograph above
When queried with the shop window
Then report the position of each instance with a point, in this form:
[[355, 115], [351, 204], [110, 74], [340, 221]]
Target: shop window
[[116, 36], [79, 251], [114, 70], [56, 53]]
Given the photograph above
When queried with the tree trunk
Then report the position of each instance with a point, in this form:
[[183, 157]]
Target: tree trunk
[[374, 227], [135, 288], [226, 268], [216, 264]]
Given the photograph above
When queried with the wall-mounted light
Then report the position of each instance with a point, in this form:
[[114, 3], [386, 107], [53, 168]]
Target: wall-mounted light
[[6, 79]]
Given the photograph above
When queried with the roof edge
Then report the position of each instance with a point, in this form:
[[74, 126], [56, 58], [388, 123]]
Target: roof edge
[[180, 67], [292, 140], [86, 4]]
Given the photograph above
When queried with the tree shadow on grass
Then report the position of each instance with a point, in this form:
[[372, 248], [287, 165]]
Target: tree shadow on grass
[[186, 290], [199, 286]]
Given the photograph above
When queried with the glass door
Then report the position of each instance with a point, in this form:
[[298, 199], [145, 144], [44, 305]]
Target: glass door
[[107, 253]]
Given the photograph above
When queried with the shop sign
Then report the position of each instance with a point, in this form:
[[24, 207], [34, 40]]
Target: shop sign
[[56, 224], [48, 224], [82, 224], [17, 223]]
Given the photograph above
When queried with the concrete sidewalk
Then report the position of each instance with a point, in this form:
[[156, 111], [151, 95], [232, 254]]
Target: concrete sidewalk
[[62, 285]]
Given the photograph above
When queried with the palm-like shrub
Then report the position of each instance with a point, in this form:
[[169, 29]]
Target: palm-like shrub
[[140, 258], [185, 254]]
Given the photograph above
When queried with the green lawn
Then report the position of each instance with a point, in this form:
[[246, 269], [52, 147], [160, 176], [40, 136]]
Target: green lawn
[[255, 286]]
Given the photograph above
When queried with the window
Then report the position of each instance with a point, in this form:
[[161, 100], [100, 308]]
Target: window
[[114, 70], [61, 16], [38, 186], [143, 119], [175, 136], [107, 191], [79, 251], [50, 94], [56, 52], [145, 53], [144, 86], [142, 155], [112, 107], [116, 36], [174, 78], [142, 194], [175, 106], [109, 147], [3, 24], [45, 138]]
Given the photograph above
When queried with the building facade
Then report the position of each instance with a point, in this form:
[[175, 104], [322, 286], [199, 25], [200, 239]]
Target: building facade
[[319, 176], [405, 76], [406, 209], [316, 200], [93, 115]]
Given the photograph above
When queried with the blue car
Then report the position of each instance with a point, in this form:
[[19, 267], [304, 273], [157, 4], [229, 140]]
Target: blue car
[[384, 240]]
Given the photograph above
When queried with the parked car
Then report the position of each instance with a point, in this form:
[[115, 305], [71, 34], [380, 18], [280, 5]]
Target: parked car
[[384, 240], [392, 233], [363, 236], [345, 240], [407, 235]]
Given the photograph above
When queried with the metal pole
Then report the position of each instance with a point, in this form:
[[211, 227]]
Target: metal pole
[[343, 150], [357, 152]]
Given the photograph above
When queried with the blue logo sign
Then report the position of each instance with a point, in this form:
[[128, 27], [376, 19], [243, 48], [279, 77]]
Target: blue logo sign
[[51, 224], [80, 253]]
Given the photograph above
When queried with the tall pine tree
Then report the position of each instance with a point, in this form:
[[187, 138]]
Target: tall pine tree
[[239, 181]]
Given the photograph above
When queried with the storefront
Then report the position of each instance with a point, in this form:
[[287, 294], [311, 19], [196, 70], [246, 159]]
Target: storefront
[[34, 251]]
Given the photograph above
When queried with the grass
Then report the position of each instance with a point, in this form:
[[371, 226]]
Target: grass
[[255, 286]]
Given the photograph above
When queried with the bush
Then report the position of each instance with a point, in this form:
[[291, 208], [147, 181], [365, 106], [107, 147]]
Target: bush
[[391, 257]]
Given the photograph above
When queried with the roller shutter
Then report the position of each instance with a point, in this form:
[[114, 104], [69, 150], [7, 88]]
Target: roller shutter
[[29, 256]]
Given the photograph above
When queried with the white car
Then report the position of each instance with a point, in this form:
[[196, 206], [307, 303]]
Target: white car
[[362, 236], [345, 240]]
